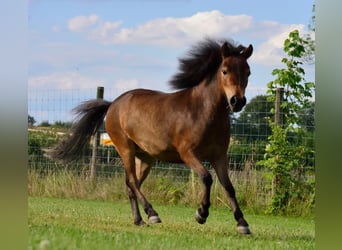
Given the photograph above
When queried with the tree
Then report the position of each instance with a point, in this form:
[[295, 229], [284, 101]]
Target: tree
[[297, 92], [31, 120], [309, 56], [310, 48], [285, 157], [60, 124], [45, 124]]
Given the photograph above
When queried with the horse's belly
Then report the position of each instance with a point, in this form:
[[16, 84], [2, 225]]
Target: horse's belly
[[168, 156], [159, 150]]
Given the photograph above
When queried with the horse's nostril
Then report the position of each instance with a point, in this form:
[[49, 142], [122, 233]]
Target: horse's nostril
[[234, 100], [237, 103]]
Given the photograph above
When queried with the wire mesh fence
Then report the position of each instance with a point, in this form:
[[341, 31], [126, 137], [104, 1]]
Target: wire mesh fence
[[50, 118]]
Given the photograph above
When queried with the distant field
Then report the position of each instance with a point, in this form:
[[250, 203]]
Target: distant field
[[82, 224]]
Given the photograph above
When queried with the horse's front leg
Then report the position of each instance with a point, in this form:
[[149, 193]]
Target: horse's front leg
[[220, 167], [203, 212]]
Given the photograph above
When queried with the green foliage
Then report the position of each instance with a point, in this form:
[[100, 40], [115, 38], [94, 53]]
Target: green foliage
[[38, 140], [56, 124], [286, 153], [291, 172], [297, 92]]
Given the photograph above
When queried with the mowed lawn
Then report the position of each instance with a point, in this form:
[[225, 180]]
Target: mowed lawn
[[81, 224]]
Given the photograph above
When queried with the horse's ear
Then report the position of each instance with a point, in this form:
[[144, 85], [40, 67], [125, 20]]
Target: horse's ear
[[247, 51], [225, 50]]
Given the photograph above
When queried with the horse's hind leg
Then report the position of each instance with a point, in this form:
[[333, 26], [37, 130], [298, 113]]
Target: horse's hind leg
[[133, 187], [140, 173], [143, 168], [220, 167], [134, 205]]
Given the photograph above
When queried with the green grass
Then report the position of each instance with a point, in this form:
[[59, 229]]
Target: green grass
[[83, 224]]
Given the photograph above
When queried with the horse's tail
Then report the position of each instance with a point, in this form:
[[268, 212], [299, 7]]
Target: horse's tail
[[90, 116]]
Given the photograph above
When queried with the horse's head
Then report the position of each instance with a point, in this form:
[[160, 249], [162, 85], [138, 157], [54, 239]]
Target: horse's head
[[233, 75]]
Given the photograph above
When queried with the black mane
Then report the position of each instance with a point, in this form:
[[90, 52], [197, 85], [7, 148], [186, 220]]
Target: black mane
[[201, 63]]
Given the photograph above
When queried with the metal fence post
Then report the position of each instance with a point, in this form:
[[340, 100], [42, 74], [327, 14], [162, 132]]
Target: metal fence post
[[96, 142]]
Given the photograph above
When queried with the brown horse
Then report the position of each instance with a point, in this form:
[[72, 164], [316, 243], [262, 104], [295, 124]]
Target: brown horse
[[187, 126]]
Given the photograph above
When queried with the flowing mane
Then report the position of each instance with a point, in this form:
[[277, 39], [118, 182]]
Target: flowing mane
[[201, 63]]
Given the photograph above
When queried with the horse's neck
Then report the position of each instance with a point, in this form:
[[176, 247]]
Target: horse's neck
[[210, 97]]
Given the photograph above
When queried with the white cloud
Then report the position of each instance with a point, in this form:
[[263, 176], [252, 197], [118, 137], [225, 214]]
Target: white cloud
[[65, 80], [176, 32], [168, 31], [266, 36], [270, 52], [80, 23], [105, 30]]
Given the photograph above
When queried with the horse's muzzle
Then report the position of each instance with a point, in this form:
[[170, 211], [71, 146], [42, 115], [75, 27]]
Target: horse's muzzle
[[236, 103]]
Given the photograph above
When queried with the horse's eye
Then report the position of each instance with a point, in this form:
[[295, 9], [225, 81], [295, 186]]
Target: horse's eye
[[224, 71]]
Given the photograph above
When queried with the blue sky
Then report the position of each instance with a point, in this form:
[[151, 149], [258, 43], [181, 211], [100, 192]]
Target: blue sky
[[125, 44]]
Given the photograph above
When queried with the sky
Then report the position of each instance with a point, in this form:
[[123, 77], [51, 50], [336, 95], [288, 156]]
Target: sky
[[78, 45]]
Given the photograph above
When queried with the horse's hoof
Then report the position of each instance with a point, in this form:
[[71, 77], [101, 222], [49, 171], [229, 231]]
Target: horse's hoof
[[154, 219], [140, 223], [199, 218], [243, 230]]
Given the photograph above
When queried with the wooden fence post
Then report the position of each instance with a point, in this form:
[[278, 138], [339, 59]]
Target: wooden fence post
[[278, 121], [278, 114], [96, 142]]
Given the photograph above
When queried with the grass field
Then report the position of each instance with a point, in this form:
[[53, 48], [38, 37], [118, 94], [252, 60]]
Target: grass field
[[82, 224]]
